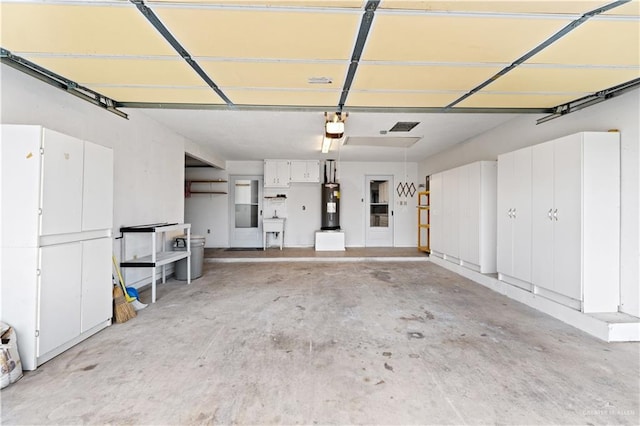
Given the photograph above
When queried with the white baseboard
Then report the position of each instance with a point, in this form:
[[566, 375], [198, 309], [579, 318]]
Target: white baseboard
[[610, 327]]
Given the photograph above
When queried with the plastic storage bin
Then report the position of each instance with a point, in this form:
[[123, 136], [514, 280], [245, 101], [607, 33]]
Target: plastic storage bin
[[197, 256]]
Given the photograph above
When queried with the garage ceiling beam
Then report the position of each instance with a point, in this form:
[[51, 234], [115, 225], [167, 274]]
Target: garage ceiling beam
[[56, 80], [159, 26], [564, 31]]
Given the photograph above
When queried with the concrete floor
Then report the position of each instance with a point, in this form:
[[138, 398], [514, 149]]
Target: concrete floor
[[342, 343]]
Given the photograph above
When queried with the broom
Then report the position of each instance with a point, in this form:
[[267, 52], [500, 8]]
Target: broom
[[122, 310], [130, 293]]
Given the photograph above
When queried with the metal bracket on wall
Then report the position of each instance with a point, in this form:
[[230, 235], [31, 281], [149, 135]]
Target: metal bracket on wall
[[56, 80], [587, 101]]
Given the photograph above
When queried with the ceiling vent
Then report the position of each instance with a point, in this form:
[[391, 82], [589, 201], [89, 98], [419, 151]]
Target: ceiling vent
[[404, 126]]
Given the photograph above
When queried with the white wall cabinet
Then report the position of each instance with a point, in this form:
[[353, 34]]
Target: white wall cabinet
[[463, 215], [305, 171], [576, 220], [276, 173], [56, 239], [514, 218]]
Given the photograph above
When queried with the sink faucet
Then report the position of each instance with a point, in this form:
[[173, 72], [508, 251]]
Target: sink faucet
[[275, 214]]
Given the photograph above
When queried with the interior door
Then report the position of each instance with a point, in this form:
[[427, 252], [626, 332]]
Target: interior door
[[379, 219], [246, 211]]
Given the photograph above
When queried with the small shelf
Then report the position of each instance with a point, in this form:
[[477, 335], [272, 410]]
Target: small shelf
[[162, 258], [424, 212], [188, 191]]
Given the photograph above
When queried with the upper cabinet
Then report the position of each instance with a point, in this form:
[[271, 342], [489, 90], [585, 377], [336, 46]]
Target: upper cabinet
[[280, 173], [276, 173], [305, 171]]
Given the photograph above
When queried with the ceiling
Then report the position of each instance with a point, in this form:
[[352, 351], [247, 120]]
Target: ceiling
[[235, 75]]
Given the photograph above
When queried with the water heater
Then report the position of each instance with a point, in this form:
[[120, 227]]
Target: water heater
[[330, 198]]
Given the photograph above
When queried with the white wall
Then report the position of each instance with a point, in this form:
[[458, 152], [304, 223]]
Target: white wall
[[353, 213], [148, 158], [303, 204], [618, 113]]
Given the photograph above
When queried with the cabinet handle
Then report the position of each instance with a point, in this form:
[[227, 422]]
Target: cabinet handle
[[549, 213], [555, 214]]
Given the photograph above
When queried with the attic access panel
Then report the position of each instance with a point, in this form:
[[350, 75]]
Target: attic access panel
[[387, 142]]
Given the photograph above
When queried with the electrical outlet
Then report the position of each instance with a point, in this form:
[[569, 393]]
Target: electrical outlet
[[208, 231]]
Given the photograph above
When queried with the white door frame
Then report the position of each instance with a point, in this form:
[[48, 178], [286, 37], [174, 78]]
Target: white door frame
[[378, 236], [251, 236]]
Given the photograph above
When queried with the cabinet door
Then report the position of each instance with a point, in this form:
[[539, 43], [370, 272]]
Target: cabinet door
[[299, 172], [276, 173], [97, 201], [283, 173], [20, 171], [542, 257], [270, 173], [62, 167], [469, 178], [96, 282], [436, 210], [313, 171], [59, 301], [506, 194], [567, 216], [521, 196], [451, 212]]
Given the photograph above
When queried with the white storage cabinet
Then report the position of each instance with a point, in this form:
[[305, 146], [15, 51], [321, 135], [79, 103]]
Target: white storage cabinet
[[463, 215], [576, 220], [514, 218], [305, 171], [57, 198], [276, 173]]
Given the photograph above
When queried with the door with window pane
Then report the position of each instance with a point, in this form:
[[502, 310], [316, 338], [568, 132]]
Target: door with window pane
[[379, 213], [246, 211]]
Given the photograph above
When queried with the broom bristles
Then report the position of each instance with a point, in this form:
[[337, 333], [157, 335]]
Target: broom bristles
[[122, 310]]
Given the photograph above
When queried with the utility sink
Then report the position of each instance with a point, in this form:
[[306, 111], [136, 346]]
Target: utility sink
[[272, 224]]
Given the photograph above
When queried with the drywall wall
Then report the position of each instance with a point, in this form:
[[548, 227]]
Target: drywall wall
[[352, 177], [618, 113], [209, 214], [148, 158]]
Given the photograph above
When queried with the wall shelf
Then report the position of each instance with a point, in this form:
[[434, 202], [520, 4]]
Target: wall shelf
[[424, 213], [205, 187]]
